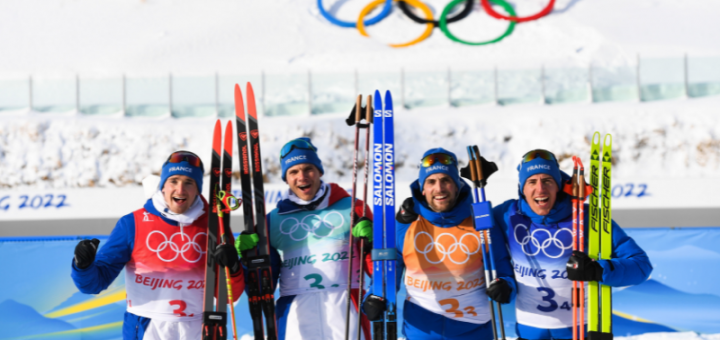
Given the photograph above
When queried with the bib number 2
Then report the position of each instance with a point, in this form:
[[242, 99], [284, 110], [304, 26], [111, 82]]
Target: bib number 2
[[316, 281]]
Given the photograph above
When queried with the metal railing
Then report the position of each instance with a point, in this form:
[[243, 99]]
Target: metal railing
[[309, 92]]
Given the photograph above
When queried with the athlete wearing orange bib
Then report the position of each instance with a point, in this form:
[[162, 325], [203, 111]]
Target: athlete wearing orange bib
[[439, 250]]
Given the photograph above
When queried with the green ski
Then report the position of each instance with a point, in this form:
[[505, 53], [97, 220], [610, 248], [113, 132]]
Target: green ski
[[600, 240], [594, 233], [606, 236]]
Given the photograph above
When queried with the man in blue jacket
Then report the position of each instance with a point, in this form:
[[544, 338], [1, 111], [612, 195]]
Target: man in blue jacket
[[538, 227], [439, 251], [163, 249], [309, 233]]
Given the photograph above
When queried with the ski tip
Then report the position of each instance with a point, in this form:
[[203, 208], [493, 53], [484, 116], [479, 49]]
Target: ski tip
[[252, 110], [217, 137], [388, 99], [596, 134], [608, 141], [228, 137], [377, 94], [239, 105]]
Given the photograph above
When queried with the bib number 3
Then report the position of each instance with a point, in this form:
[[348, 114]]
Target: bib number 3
[[454, 305], [549, 299]]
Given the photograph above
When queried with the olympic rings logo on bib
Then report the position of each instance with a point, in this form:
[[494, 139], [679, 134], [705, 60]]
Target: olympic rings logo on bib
[[528, 241], [191, 246], [430, 22], [326, 223], [457, 245]]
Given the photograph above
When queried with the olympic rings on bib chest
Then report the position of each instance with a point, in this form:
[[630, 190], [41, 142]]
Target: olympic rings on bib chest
[[311, 224], [192, 246], [442, 21], [457, 247], [552, 246]]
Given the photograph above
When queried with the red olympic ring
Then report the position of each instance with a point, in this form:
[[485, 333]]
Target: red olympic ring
[[496, 15]]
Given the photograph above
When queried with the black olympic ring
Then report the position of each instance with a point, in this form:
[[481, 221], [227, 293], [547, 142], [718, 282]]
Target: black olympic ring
[[462, 15]]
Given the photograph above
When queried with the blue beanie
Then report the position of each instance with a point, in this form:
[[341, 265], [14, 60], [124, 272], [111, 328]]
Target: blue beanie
[[438, 168], [539, 166], [300, 156], [183, 168]]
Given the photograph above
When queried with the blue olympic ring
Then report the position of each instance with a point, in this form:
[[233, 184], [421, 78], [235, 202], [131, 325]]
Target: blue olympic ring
[[385, 11]]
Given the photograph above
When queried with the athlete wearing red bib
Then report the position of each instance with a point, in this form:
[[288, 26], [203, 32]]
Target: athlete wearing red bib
[[163, 250]]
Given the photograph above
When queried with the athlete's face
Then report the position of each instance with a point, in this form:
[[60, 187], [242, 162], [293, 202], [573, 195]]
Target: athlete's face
[[304, 180], [540, 192], [440, 192], [179, 192]]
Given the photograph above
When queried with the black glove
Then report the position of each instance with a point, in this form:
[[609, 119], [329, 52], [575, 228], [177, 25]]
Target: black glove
[[499, 291], [374, 307], [581, 267], [85, 253], [406, 214], [226, 256]]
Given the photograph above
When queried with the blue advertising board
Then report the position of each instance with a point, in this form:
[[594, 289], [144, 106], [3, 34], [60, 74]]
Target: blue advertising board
[[38, 299]]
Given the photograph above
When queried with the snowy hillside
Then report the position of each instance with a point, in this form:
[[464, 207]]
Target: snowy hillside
[[671, 139], [111, 37], [664, 139]]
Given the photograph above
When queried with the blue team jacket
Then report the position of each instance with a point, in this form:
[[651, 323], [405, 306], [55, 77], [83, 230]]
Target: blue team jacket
[[422, 324]]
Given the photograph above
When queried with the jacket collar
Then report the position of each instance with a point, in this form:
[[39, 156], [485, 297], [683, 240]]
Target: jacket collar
[[334, 194], [560, 211], [150, 207], [460, 212]]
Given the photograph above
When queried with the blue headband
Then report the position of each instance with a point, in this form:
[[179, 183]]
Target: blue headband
[[438, 168]]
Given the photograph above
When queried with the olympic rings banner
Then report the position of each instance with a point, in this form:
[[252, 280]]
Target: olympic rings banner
[[429, 21], [38, 299]]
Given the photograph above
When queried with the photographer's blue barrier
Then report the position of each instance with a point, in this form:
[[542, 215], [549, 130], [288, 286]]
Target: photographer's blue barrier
[[38, 299]]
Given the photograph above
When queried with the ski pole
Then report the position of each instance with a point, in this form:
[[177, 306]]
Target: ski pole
[[223, 198], [574, 198], [473, 165], [358, 108], [368, 114], [581, 240], [481, 178]]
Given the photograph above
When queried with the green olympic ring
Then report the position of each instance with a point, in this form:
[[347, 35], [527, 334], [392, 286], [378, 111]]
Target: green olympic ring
[[451, 5]]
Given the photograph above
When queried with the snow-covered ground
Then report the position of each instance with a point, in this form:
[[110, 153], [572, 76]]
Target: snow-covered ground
[[65, 37], [670, 139], [674, 139]]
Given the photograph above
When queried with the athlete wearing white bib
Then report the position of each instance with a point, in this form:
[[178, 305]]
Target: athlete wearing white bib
[[309, 234], [538, 230], [439, 250], [163, 250]]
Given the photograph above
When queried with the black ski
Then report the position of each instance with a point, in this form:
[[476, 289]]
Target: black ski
[[214, 320], [258, 261], [253, 287]]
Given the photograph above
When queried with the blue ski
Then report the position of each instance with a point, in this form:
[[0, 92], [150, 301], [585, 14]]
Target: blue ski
[[384, 253], [389, 169], [378, 288]]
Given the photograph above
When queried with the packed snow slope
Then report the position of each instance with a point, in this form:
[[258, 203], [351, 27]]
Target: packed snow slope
[[667, 139], [111, 37], [670, 139]]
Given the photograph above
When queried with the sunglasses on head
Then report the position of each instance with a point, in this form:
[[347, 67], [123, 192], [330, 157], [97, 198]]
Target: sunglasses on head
[[295, 144], [539, 153], [441, 158], [185, 156]]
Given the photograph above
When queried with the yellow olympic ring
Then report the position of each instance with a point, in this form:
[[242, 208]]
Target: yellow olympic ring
[[415, 3]]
